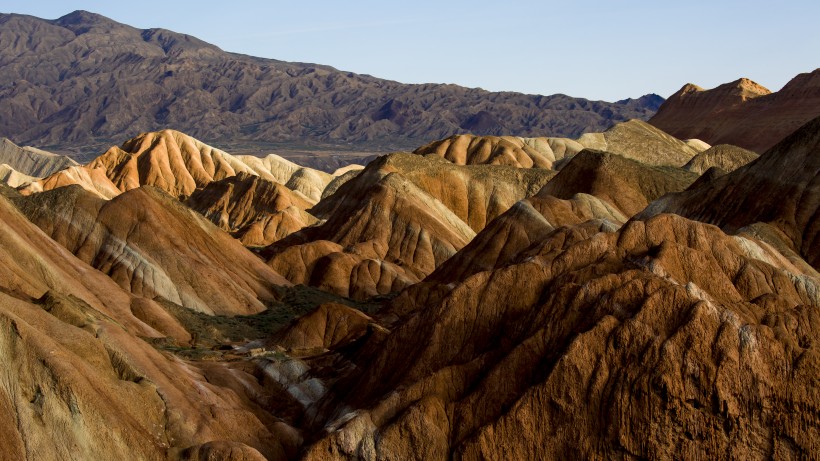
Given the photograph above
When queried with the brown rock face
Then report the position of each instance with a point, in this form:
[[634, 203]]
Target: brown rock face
[[397, 221], [256, 211], [154, 247], [780, 189], [664, 339], [329, 326], [742, 112]]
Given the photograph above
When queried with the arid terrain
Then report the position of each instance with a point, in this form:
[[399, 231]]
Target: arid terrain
[[526, 278]]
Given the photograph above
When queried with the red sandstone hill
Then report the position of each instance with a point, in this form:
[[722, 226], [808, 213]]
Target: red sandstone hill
[[742, 112]]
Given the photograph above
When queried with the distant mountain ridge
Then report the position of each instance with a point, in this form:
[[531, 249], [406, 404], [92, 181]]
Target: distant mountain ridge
[[84, 78], [742, 113]]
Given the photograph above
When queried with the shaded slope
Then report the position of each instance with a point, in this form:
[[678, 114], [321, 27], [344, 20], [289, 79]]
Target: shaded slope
[[154, 247], [781, 188], [742, 112], [145, 80]]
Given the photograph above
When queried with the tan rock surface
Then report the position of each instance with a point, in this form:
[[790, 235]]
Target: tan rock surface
[[93, 180], [724, 156], [14, 178], [641, 141], [272, 227]]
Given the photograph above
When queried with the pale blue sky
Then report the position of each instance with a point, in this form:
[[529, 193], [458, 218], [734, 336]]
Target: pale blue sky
[[595, 49]]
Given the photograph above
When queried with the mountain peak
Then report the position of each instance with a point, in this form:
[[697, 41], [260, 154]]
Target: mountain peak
[[81, 21], [81, 17], [689, 88], [742, 112], [748, 88]]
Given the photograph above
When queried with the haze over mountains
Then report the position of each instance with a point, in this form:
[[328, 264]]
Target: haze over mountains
[[620, 293], [85, 79]]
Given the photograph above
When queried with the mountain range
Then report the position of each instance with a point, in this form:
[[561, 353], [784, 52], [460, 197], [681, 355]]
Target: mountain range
[[84, 79]]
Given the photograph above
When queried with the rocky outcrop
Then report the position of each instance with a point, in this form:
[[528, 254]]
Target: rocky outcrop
[[329, 326], [626, 184], [12, 177], [179, 164], [505, 150], [741, 113], [93, 180], [245, 204]]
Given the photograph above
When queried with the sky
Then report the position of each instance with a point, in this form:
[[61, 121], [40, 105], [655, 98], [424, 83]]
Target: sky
[[606, 50]]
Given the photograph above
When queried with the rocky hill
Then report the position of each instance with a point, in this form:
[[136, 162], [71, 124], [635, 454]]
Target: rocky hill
[[84, 78], [622, 294], [779, 191], [30, 161], [742, 112]]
